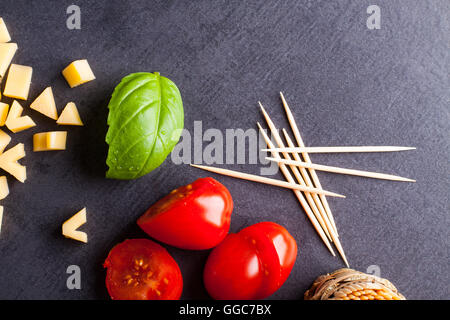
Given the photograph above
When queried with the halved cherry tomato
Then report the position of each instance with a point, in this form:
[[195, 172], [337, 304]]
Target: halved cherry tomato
[[251, 264], [140, 269], [238, 277], [195, 216], [284, 244]]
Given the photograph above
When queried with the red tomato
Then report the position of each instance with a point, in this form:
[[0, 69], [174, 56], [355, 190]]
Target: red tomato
[[284, 244], [140, 269], [251, 264], [237, 278], [196, 216]]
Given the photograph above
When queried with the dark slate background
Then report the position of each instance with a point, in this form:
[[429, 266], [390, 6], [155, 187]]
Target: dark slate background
[[347, 85]]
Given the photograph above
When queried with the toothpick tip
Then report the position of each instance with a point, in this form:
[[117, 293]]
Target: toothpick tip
[[261, 106], [405, 179]]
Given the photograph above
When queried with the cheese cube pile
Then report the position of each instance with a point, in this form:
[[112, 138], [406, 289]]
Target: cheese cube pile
[[16, 85]]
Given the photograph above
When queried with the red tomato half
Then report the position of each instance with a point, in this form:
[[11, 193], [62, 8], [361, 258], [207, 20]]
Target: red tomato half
[[238, 277], [196, 216], [251, 264], [140, 269], [284, 244]]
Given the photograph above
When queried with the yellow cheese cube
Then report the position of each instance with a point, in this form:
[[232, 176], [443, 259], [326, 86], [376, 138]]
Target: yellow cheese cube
[[18, 82], [7, 52], [45, 104], [4, 34], [8, 162], [1, 217], [70, 116], [49, 141], [15, 122], [5, 139], [78, 72], [4, 108], [69, 228], [20, 124], [4, 190]]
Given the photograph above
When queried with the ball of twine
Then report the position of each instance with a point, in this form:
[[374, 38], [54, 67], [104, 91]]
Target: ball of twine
[[349, 284]]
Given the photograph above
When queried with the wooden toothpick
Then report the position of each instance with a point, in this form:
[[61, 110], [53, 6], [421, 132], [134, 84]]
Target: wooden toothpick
[[301, 199], [274, 182], [306, 157], [340, 149], [353, 172], [321, 216]]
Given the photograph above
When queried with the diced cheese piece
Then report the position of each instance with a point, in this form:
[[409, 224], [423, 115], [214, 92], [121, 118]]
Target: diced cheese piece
[[56, 140], [18, 82], [8, 162], [4, 108], [7, 52], [4, 34], [70, 116], [20, 124], [15, 111], [4, 190], [40, 142], [69, 228], [49, 141], [45, 104], [15, 122], [78, 72], [5, 139], [1, 217]]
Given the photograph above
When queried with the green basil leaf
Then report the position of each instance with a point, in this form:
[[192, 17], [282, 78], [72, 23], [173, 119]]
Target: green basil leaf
[[145, 122]]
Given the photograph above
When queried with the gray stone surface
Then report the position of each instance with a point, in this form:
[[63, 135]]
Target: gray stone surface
[[347, 85]]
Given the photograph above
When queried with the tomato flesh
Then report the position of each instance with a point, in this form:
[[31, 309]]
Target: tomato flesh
[[196, 216], [140, 269]]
